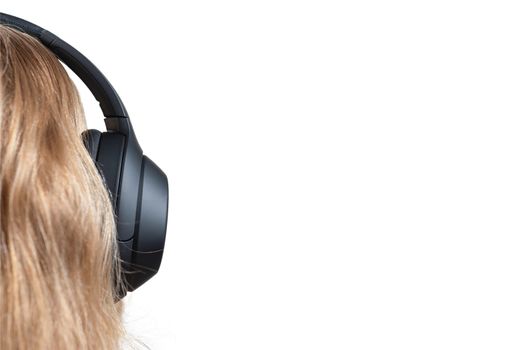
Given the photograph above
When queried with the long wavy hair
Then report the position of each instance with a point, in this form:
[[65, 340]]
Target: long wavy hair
[[58, 253]]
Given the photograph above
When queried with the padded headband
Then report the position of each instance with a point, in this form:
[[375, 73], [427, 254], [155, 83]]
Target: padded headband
[[100, 87]]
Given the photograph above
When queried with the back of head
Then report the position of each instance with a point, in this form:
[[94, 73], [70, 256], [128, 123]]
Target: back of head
[[58, 256]]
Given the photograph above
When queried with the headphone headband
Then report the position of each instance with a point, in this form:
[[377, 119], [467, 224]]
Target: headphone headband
[[97, 83]]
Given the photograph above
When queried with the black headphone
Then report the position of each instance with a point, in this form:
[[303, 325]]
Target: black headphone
[[138, 187]]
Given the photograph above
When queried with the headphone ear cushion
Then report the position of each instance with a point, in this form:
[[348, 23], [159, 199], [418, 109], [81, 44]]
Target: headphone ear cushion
[[91, 138]]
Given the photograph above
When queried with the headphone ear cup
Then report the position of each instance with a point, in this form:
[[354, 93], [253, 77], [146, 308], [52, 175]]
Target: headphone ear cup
[[139, 193], [150, 232], [91, 138]]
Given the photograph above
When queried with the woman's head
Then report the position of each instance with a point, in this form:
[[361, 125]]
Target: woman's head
[[57, 233]]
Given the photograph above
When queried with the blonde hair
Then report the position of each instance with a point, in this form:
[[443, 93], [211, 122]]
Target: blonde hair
[[58, 255]]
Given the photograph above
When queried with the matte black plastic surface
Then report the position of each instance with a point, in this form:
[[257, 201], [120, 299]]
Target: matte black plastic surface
[[109, 159], [126, 203], [150, 233]]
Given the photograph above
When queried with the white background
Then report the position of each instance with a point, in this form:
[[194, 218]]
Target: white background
[[343, 174]]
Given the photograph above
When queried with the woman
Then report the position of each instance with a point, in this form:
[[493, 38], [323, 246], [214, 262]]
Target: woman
[[58, 254]]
